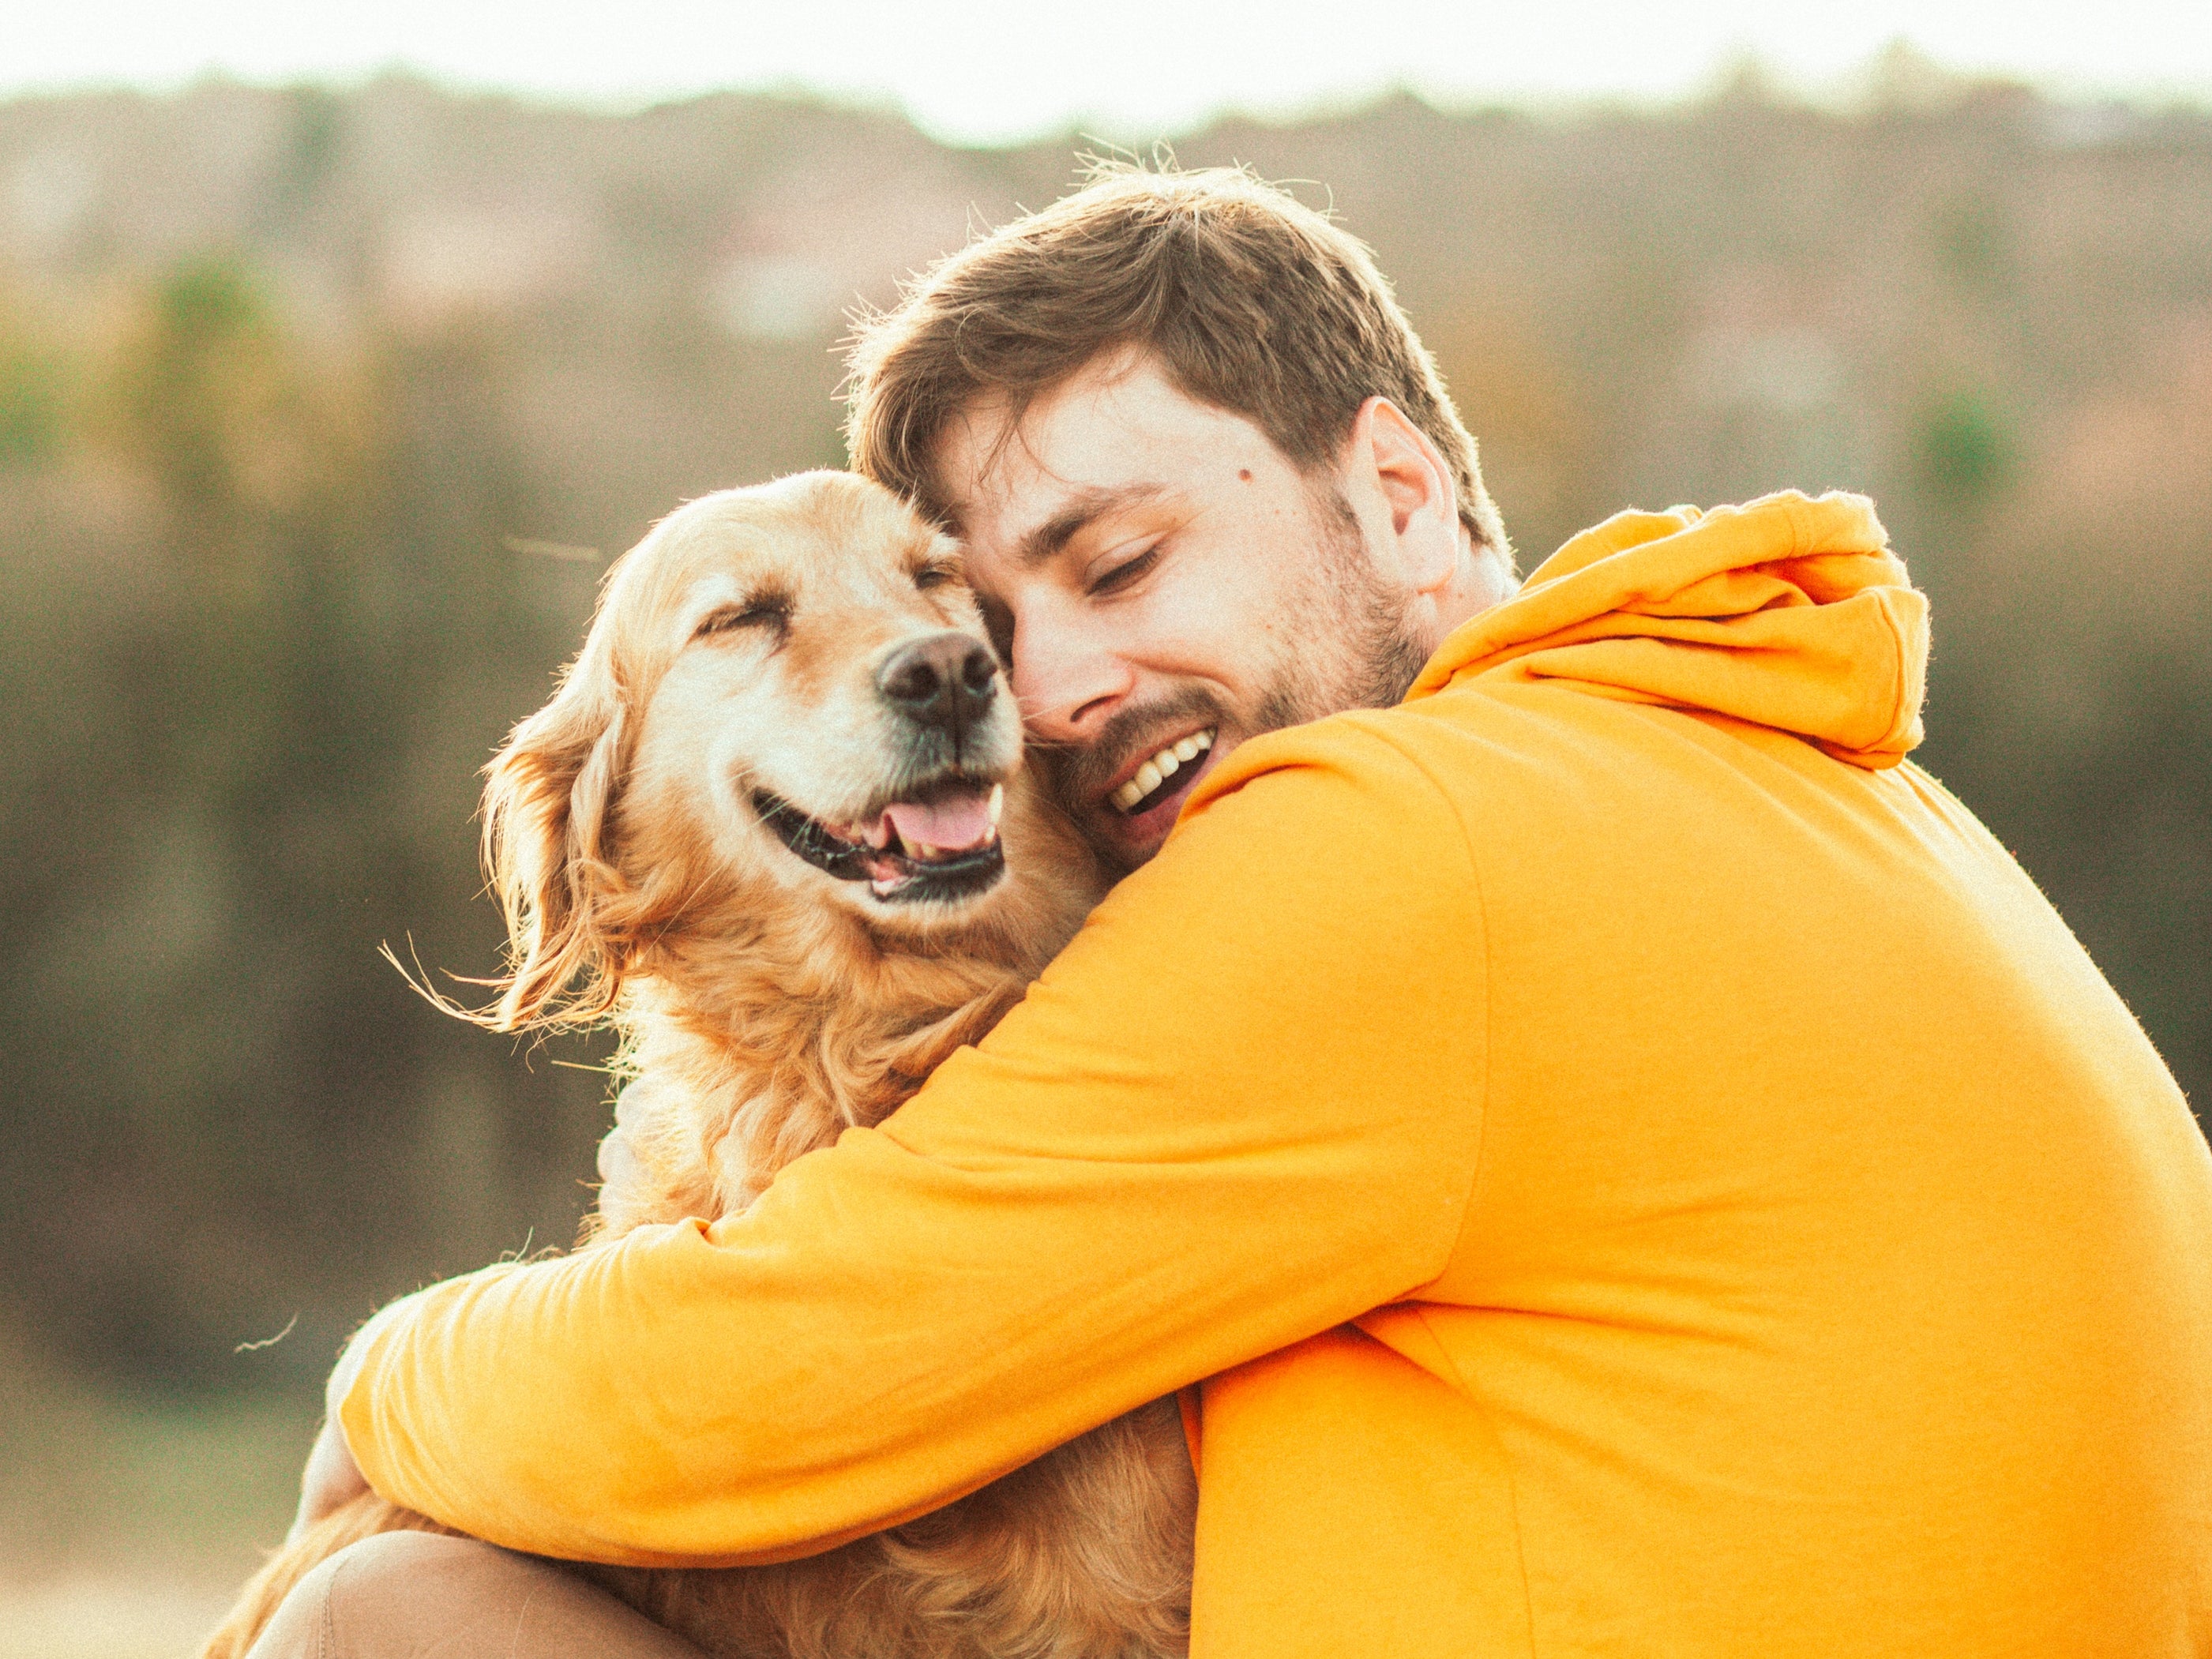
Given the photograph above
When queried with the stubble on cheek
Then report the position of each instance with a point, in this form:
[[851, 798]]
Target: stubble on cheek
[[1349, 646], [1356, 647]]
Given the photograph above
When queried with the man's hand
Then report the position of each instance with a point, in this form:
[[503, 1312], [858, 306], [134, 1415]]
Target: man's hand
[[331, 1477], [621, 1174]]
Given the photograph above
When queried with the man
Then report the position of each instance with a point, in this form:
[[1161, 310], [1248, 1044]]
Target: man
[[1630, 1166]]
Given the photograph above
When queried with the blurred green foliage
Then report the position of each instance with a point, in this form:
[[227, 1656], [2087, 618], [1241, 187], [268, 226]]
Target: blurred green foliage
[[1966, 448], [284, 376], [197, 383], [32, 400]]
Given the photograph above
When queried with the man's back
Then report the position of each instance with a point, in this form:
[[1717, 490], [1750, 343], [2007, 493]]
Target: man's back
[[1835, 1272]]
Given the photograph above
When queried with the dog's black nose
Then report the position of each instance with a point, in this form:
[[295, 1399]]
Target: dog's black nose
[[942, 680]]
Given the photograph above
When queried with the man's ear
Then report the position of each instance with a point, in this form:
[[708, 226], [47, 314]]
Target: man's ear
[[1394, 458]]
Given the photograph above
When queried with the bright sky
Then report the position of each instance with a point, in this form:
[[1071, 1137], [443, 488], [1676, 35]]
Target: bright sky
[[995, 70]]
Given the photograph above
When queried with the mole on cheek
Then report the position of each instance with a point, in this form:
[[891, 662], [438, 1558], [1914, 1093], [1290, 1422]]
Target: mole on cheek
[[1245, 473]]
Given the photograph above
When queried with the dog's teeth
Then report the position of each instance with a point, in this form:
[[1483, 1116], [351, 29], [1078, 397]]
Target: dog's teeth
[[922, 849], [998, 803]]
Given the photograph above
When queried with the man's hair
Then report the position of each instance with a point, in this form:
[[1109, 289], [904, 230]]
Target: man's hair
[[1250, 301]]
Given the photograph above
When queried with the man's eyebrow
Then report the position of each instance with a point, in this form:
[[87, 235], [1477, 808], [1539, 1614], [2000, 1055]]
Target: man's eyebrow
[[1044, 543]]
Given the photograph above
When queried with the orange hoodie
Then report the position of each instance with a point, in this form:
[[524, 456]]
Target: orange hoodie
[[1638, 1169]]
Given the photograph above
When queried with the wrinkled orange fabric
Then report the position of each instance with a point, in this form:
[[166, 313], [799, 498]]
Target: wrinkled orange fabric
[[1636, 1168]]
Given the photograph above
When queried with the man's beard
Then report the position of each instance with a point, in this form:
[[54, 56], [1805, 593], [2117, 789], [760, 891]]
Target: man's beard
[[1361, 651], [1356, 648]]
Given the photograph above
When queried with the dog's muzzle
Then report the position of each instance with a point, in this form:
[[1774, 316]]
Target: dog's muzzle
[[941, 844]]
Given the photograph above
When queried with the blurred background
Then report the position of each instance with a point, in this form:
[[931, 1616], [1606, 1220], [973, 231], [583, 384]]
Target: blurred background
[[325, 391]]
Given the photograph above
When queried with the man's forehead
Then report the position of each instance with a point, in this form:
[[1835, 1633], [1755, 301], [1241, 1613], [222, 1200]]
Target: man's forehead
[[969, 465], [1114, 435]]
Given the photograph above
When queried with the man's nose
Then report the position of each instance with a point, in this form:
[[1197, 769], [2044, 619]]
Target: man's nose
[[1067, 678], [941, 681]]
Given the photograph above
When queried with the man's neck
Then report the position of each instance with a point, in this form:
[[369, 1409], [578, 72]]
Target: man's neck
[[1480, 578]]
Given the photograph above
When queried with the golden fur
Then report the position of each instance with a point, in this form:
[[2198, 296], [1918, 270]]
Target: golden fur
[[766, 1005]]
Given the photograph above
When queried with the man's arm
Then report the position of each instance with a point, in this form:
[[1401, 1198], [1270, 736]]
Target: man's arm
[[1241, 1108]]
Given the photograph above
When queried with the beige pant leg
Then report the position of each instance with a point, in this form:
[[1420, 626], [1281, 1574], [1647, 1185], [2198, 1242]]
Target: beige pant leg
[[423, 1595]]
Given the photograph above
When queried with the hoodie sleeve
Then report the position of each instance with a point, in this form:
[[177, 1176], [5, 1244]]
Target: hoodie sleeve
[[1239, 1109]]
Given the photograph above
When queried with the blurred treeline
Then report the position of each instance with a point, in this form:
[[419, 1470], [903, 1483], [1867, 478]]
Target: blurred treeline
[[316, 407]]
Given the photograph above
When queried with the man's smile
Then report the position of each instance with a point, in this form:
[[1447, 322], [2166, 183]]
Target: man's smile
[[1147, 784], [1134, 811]]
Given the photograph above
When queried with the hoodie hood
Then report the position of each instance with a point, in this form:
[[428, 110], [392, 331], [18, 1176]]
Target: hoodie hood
[[1788, 611]]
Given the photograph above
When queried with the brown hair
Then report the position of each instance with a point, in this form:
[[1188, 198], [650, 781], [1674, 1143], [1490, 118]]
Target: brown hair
[[1251, 302]]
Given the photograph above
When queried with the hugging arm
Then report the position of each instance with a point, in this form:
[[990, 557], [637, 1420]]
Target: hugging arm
[[1241, 1108]]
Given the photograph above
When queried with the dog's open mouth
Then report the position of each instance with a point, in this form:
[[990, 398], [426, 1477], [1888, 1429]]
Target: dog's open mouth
[[942, 843]]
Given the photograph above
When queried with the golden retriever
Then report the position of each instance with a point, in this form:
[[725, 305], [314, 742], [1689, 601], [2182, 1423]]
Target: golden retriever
[[774, 826]]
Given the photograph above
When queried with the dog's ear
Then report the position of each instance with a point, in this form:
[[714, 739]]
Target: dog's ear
[[547, 796]]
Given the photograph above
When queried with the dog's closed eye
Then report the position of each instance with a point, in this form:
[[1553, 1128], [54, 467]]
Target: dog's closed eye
[[935, 576], [771, 612]]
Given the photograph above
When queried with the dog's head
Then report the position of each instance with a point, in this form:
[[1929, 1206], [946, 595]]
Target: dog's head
[[786, 708]]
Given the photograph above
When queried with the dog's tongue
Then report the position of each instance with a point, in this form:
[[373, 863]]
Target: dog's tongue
[[951, 825]]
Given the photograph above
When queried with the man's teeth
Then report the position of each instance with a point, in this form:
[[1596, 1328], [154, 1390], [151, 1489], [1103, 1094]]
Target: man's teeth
[[1160, 767]]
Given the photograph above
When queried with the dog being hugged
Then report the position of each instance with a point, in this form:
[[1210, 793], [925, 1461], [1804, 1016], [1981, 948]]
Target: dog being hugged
[[775, 829]]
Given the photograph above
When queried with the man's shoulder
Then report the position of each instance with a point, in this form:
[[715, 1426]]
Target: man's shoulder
[[1371, 759], [1547, 783], [1472, 739]]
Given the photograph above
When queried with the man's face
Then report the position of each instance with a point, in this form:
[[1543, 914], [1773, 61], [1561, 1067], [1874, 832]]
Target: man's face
[[1166, 584]]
